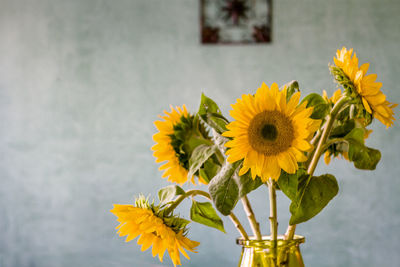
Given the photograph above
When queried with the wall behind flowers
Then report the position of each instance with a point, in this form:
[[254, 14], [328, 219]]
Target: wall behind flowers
[[81, 82]]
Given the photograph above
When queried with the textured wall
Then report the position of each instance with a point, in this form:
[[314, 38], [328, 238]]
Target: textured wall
[[81, 82]]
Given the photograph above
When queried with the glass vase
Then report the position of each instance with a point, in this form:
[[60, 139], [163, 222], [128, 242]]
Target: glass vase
[[263, 253]]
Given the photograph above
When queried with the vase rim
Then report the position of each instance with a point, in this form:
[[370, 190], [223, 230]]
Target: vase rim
[[266, 241]]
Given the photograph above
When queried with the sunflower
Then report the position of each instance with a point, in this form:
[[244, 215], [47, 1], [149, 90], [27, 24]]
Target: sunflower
[[269, 132], [366, 87], [161, 232], [175, 131]]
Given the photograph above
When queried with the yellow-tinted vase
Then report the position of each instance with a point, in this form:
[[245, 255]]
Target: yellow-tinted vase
[[263, 253]]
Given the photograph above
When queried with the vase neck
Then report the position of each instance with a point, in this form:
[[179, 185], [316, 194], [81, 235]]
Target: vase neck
[[266, 241]]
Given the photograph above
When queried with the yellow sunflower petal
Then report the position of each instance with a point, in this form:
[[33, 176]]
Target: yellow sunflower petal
[[243, 170], [261, 162], [275, 170], [376, 100], [302, 145], [300, 157], [292, 104], [366, 105], [327, 158], [287, 163], [364, 67]]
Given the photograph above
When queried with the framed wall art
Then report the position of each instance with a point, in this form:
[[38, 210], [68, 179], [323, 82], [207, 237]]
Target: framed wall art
[[235, 21]]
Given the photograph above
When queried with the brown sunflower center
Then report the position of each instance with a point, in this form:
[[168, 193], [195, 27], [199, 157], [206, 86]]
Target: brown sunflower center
[[270, 133]]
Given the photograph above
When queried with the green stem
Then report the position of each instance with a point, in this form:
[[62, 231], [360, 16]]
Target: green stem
[[255, 226], [189, 193], [325, 134], [316, 137], [320, 148], [238, 226], [273, 219], [352, 111], [290, 232], [332, 141]]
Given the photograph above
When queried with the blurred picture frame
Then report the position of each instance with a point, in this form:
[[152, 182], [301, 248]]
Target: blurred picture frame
[[235, 21]]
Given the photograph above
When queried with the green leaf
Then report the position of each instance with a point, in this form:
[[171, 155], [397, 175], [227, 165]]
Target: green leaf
[[288, 183], [219, 140], [207, 105], [211, 114], [363, 157], [321, 107], [167, 194], [313, 195], [292, 87], [209, 170], [199, 156], [343, 129], [224, 190], [247, 184], [356, 135], [204, 213]]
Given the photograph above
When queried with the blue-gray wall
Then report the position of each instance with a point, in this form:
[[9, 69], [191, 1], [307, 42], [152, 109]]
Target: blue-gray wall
[[81, 82]]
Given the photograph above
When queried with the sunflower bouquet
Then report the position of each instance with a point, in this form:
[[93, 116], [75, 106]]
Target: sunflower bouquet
[[275, 140]]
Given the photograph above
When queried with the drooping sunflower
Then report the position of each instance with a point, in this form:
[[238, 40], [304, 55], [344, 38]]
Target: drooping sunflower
[[373, 99], [337, 150], [269, 133], [176, 133], [155, 229]]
